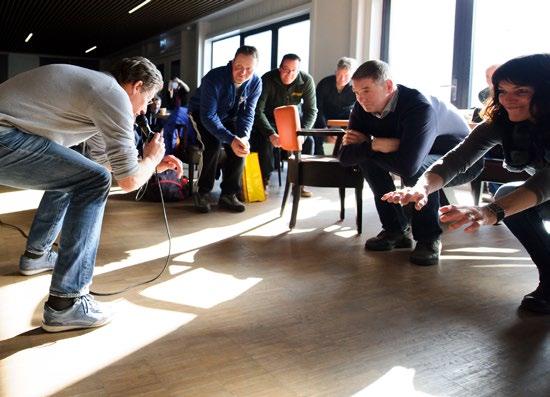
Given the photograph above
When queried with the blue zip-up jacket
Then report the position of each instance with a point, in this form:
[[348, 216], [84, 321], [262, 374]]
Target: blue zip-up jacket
[[215, 102]]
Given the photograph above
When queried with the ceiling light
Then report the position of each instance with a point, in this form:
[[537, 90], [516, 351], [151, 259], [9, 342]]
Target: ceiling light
[[138, 6], [90, 49], [28, 38]]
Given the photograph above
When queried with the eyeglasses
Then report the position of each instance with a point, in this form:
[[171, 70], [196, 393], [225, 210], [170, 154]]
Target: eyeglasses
[[286, 70]]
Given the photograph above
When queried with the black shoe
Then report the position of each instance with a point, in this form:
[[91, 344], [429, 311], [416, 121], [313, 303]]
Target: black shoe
[[426, 253], [231, 203], [201, 203], [536, 301], [386, 241]]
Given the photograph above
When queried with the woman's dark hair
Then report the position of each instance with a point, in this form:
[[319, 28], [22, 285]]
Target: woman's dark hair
[[530, 70]]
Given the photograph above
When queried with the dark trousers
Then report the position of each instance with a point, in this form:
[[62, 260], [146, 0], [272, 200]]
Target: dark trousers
[[529, 228], [232, 165], [266, 152], [394, 218]]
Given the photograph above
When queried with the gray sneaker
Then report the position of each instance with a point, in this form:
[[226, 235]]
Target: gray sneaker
[[45, 263], [84, 313]]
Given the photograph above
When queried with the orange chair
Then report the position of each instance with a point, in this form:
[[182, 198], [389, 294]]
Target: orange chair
[[319, 171]]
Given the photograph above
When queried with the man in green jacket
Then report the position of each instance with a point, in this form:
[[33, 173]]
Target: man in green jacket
[[286, 85]]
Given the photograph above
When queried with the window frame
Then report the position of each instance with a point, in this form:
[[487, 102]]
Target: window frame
[[274, 27], [462, 49]]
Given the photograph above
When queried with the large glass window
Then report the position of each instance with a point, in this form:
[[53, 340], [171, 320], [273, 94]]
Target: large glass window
[[272, 41], [262, 41], [224, 50], [445, 46], [504, 29], [295, 39], [421, 44]]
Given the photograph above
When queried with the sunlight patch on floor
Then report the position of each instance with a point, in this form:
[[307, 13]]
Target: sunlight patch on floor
[[483, 258], [187, 243], [398, 381], [200, 288], [482, 250], [503, 265], [53, 365], [19, 200], [21, 303]]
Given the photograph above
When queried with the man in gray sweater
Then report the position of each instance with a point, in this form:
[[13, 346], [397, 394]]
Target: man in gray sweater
[[42, 113]]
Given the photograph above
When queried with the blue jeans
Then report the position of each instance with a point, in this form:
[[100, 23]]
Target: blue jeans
[[76, 190], [529, 228], [394, 218]]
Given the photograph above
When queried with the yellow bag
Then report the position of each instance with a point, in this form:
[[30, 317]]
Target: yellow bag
[[253, 186]]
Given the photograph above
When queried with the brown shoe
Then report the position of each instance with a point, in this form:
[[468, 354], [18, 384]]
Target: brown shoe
[[305, 193]]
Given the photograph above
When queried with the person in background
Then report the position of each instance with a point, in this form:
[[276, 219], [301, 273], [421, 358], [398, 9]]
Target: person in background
[[44, 111], [222, 113], [286, 85], [485, 93], [155, 122], [395, 129], [335, 97], [177, 93], [518, 118]]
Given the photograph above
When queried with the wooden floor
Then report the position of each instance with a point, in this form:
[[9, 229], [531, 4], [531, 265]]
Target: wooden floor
[[248, 308]]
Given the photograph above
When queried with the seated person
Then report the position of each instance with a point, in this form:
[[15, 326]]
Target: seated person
[[155, 122], [286, 85], [395, 129], [517, 117], [335, 97]]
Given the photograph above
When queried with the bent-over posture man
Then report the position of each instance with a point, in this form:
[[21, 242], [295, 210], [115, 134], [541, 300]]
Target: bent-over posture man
[[222, 110], [42, 113], [394, 129]]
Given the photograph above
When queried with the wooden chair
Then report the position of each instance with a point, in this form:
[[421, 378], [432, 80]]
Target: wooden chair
[[309, 170]]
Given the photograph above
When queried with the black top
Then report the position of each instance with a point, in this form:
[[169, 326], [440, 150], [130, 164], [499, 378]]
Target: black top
[[331, 103], [421, 129]]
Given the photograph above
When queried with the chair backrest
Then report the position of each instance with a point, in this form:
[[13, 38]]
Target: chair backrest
[[287, 120]]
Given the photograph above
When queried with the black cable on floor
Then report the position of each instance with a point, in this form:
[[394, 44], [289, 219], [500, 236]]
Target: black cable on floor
[[96, 293]]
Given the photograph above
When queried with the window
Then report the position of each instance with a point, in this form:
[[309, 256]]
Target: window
[[295, 39], [445, 46], [504, 29], [272, 42], [224, 50], [419, 58], [262, 41]]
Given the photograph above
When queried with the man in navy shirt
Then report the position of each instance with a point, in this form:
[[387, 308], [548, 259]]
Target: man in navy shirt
[[222, 111], [397, 130]]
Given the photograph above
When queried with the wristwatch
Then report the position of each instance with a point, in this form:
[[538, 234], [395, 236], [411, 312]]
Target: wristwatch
[[497, 210]]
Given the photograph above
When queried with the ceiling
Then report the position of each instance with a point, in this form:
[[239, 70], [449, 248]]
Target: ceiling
[[70, 27]]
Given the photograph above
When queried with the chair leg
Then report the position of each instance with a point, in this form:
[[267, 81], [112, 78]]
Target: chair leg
[[278, 159], [359, 217], [342, 192], [477, 187], [285, 195], [295, 201], [191, 178]]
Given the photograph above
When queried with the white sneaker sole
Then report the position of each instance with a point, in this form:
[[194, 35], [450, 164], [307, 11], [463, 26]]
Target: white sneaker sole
[[61, 328], [33, 272]]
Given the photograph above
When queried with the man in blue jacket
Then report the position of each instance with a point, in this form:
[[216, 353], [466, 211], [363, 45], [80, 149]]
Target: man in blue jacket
[[222, 111], [395, 129]]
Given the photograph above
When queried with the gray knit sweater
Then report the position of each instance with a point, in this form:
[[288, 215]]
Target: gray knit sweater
[[68, 105]]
